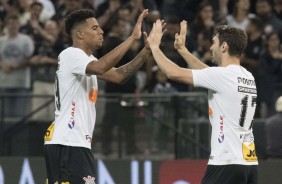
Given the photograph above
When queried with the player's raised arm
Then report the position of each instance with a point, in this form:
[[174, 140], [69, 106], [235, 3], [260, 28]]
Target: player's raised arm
[[108, 61], [179, 45], [123, 73], [170, 69]]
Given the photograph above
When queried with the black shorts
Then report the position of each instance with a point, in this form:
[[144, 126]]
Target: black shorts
[[72, 165], [231, 174]]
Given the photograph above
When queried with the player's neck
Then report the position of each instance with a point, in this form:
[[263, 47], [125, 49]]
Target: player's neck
[[82, 47], [229, 60]]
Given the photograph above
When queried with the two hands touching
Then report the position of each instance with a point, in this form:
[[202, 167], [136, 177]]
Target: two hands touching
[[169, 68], [154, 39]]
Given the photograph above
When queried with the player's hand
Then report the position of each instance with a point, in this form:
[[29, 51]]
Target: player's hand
[[147, 46], [136, 34], [154, 39], [181, 37]]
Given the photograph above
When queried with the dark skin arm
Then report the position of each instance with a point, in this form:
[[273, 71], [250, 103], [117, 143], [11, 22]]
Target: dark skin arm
[[123, 73], [107, 62]]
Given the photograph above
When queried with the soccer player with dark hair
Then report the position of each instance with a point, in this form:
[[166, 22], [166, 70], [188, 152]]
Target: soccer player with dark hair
[[68, 140], [232, 97]]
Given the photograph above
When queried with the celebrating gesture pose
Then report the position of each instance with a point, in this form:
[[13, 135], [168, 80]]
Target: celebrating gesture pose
[[232, 100], [68, 140]]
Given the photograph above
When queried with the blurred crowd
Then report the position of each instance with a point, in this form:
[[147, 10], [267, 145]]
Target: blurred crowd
[[32, 35]]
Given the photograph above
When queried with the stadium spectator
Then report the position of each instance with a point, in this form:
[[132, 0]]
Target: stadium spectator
[[15, 50], [204, 19], [162, 111], [278, 8], [240, 14], [270, 69], [34, 25], [44, 66], [270, 21], [184, 9], [120, 30], [273, 127]]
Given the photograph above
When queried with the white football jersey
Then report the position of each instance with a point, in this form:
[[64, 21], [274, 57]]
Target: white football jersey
[[75, 98], [232, 101]]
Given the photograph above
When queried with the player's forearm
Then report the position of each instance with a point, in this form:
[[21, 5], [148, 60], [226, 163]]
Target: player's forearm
[[113, 57], [131, 68], [166, 65], [191, 60]]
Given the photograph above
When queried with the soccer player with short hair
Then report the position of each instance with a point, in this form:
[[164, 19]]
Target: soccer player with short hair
[[232, 101], [68, 140]]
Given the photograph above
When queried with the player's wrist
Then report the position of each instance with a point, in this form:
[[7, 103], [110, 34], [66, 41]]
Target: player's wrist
[[154, 47], [181, 49]]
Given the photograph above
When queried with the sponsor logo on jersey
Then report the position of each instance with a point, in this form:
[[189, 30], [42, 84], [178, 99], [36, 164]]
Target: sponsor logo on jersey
[[89, 180], [93, 94], [210, 111], [49, 133], [247, 90], [88, 138], [245, 81], [221, 134], [71, 121], [249, 152]]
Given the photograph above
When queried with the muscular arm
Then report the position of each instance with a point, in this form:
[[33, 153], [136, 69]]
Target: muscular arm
[[170, 69], [179, 45], [123, 73], [106, 62], [190, 59], [112, 58]]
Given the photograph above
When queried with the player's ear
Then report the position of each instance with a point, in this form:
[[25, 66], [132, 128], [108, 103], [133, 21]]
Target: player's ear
[[224, 47], [79, 34]]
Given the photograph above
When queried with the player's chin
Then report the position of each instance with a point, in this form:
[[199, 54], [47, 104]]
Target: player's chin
[[98, 46]]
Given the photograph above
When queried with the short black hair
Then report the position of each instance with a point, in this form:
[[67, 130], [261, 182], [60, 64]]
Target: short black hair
[[77, 17], [236, 39]]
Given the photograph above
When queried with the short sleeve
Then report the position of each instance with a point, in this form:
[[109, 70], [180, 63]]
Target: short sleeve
[[76, 60], [210, 78]]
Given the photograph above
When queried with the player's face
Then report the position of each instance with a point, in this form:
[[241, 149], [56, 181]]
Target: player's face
[[215, 49], [93, 34]]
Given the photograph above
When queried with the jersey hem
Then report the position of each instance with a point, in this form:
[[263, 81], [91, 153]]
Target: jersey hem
[[68, 144], [233, 163]]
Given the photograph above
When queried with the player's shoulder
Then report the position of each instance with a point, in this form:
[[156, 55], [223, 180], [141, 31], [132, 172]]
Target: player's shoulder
[[71, 51], [215, 69]]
